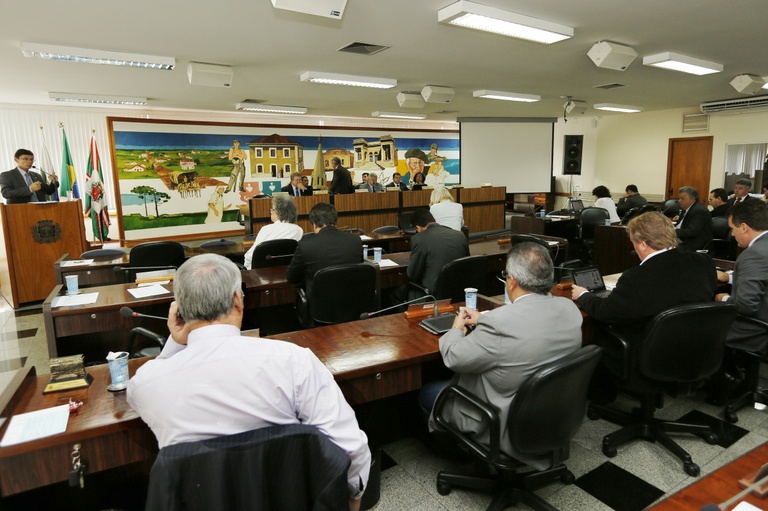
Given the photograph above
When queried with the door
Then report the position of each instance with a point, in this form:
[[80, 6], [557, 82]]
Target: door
[[689, 162]]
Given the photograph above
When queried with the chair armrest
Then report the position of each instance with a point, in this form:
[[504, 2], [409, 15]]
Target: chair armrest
[[302, 307], [619, 344], [490, 413], [136, 332]]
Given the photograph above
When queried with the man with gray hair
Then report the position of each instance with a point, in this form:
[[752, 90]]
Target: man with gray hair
[[507, 344], [740, 192], [210, 381], [694, 223]]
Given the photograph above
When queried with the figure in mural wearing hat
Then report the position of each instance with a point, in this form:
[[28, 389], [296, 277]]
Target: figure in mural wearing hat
[[415, 160], [237, 174], [436, 175], [216, 206], [432, 156]]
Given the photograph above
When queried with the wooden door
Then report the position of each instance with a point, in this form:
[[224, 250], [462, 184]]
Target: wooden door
[[689, 162]]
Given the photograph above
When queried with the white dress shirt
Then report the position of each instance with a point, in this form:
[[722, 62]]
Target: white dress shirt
[[607, 203], [449, 214], [276, 231], [222, 383]]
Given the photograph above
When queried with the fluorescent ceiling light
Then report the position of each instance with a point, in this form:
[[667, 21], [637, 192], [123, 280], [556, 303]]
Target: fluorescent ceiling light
[[506, 96], [398, 115], [683, 63], [613, 107], [96, 98], [271, 109], [766, 82], [42, 51], [351, 80], [498, 21]]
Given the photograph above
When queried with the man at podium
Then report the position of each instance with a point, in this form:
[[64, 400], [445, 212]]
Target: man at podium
[[20, 185]]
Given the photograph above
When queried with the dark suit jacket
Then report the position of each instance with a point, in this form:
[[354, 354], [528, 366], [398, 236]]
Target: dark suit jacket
[[16, 191], [342, 182], [697, 227], [750, 294], [672, 278], [402, 186], [328, 247], [627, 203], [721, 210], [732, 200], [289, 188], [431, 250]]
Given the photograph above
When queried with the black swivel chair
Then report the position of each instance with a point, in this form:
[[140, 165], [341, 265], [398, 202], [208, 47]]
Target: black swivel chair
[[470, 271], [102, 252], [273, 253], [386, 229], [405, 224], [278, 468], [153, 349], [589, 218], [545, 414], [633, 212], [222, 243], [752, 393], [154, 255], [670, 208], [339, 294], [722, 245], [681, 345]]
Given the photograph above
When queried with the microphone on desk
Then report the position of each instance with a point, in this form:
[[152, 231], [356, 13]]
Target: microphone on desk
[[366, 315], [723, 506], [119, 269], [130, 313]]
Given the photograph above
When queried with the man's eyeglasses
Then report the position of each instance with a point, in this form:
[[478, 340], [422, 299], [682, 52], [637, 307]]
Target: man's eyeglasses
[[503, 278]]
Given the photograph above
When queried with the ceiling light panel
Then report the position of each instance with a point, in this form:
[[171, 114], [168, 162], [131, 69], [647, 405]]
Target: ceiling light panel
[[682, 63], [66, 97], [68, 54], [350, 80], [613, 107], [506, 96], [498, 21], [398, 115], [270, 109]]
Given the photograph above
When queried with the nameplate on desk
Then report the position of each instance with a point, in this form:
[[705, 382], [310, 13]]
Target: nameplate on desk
[[420, 310]]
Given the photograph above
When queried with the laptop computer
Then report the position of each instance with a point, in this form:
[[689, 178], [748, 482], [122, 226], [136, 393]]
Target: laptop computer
[[577, 205], [591, 279]]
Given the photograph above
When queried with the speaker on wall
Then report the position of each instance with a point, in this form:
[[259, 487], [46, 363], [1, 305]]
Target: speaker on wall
[[572, 155]]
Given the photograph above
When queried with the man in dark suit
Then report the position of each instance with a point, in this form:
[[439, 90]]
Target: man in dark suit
[[741, 192], [632, 199], [718, 199], [328, 246], [694, 223], [397, 182], [666, 277], [749, 225], [20, 185], [307, 187], [432, 247], [296, 188], [342, 180]]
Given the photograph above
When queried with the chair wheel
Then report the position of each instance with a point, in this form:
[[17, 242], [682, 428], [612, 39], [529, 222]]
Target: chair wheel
[[609, 450], [567, 477], [711, 438], [731, 417], [692, 469], [443, 488], [592, 413]]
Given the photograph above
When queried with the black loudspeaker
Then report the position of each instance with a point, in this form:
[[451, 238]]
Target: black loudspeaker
[[572, 155]]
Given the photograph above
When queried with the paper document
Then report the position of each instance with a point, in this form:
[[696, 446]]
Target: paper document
[[71, 300], [552, 243], [365, 238], [147, 284], [76, 262], [26, 427], [746, 506], [387, 263], [144, 292]]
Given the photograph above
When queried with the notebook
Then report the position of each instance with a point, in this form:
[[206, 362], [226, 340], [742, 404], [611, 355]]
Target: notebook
[[577, 205], [440, 324], [591, 279]]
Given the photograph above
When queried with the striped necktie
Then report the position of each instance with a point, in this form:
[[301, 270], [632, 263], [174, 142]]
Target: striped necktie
[[28, 179]]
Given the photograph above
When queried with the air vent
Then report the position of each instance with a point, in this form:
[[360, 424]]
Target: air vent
[[735, 105], [695, 122], [254, 101], [446, 111], [363, 48], [609, 86]]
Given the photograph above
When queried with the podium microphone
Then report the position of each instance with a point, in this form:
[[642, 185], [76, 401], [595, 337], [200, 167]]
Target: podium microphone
[[366, 315], [129, 313], [119, 269], [41, 170], [723, 506]]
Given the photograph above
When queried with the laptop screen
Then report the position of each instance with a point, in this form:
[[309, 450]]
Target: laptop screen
[[577, 205], [589, 278]]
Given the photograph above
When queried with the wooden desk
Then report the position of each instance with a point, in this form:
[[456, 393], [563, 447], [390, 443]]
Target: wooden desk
[[718, 486], [567, 228], [614, 252], [109, 431]]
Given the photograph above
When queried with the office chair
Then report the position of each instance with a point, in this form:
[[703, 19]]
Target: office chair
[[386, 229], [670, 208], [588, 219], [469, 271], [339, 294], [527, 238], [544, 415], [753, 393], [102, 252], [405, 224], [218, 243], [279, 468], [720, 228], [681, 345], [722, 245], [633, 212], [153, 350], [273, 253], [154, 254], [249, 237]]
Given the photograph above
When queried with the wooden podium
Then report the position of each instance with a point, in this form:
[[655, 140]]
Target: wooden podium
[[34, 236]]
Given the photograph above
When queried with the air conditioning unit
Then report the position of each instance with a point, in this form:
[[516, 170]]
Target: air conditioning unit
[[333, 9], [757, 103], [210, 75]]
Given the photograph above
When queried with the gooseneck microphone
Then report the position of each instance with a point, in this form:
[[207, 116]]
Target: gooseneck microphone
[[366, 315], [119, 269], [41, 170], [723, 506], [129, 313]]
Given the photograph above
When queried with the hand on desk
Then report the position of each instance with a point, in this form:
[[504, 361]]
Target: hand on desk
[[722, 276], [178, 328], [577, 291], [465, 317]]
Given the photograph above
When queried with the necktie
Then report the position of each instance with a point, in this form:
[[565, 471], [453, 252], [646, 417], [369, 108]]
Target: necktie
[[296, 191], [738, 200], [33, 195]]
